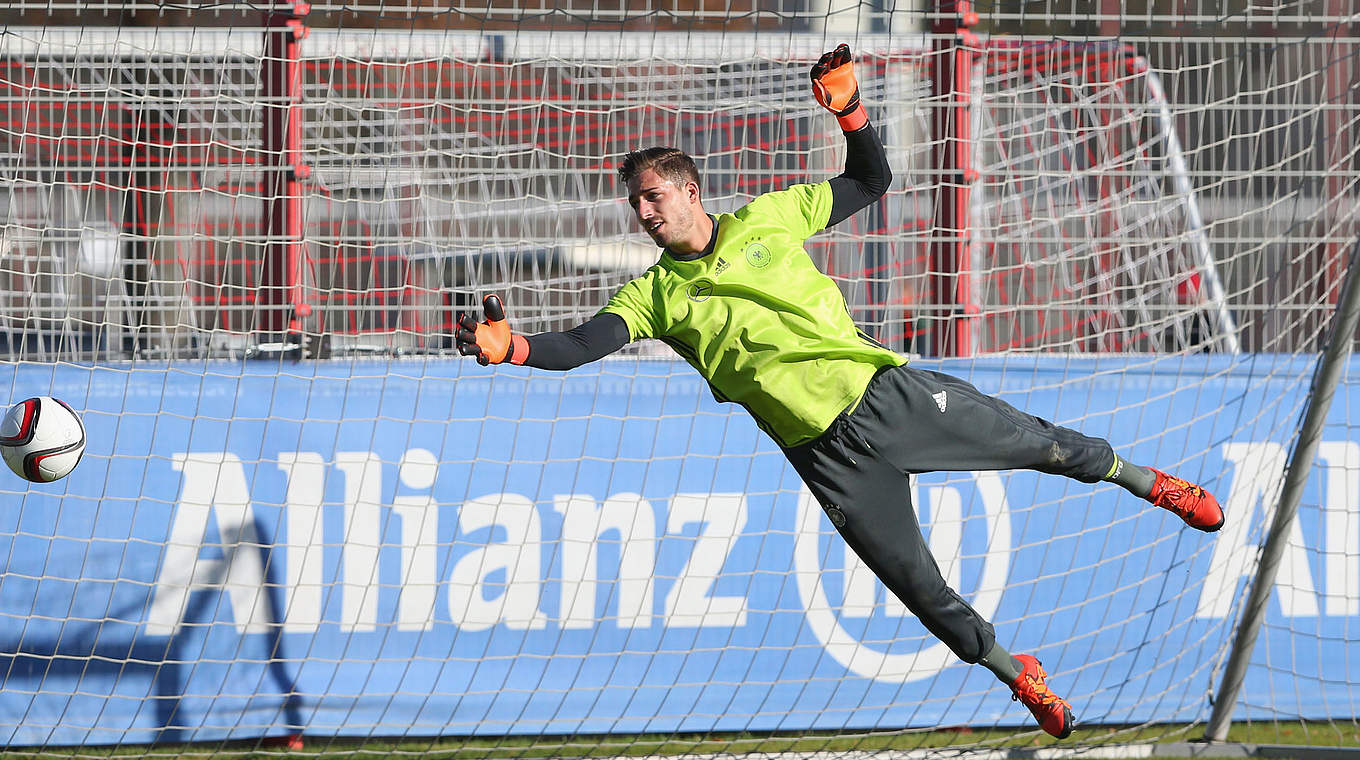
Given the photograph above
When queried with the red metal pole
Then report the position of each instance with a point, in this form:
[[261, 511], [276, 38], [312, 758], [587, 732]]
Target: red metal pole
[[951, 131], [137, 213], [280, 303], [1110, 11]]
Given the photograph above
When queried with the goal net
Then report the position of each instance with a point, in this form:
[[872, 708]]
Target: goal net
[[434, 173], [240, 252]]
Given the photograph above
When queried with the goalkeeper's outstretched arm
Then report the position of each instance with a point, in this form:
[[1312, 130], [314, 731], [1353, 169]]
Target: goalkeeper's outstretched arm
[[591, 340], [492, 342], [867, 175]]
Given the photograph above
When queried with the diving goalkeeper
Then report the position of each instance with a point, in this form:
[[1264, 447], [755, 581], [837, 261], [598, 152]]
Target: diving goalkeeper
[[740, 300]]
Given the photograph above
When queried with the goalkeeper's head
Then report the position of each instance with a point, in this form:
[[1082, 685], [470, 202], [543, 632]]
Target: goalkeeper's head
[[663, 189], [672, 163]]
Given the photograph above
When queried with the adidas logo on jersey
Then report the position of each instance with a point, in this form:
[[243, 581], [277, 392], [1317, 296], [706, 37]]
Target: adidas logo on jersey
[[941, 400], [722, 266]]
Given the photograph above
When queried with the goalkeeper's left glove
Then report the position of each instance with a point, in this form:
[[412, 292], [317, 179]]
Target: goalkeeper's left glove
[[490, 341], [835, 87]]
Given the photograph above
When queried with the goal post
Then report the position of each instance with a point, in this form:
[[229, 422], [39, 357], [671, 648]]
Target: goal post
[[239, 253]]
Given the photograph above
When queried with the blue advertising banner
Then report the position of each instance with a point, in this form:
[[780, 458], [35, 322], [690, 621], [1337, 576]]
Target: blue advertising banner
[[419, 548]]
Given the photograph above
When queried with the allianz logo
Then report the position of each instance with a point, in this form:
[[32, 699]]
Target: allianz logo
[[1333, 497], [503, 581], [498, 582]]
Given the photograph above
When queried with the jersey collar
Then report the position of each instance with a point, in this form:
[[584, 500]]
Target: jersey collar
[[712, 242]]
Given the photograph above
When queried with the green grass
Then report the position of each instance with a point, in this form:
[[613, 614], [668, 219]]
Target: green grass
[[1332, 734]]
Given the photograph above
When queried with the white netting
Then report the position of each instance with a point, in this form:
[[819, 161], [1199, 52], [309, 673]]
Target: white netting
[[395, 544], [437, 173]]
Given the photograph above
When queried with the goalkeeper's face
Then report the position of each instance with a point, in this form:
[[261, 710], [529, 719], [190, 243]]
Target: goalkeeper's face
[[667, 211]]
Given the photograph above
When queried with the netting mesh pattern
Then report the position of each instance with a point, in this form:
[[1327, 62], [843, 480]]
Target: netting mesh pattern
[[398, 545], [440, 168]]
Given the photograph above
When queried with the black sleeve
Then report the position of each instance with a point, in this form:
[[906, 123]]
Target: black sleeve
[[866, 176], [584, 343]]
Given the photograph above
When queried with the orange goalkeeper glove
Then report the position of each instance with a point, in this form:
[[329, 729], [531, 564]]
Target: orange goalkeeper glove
[[490, 341], [834, 86]]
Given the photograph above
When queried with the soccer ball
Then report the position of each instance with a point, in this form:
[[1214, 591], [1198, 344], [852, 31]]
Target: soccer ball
[[42, 439]]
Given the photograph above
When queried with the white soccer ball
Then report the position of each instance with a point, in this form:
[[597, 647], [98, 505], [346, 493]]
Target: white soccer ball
[[42, 439]]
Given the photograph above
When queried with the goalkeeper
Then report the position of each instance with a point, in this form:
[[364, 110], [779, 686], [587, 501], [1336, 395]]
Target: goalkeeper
[[740, 300]]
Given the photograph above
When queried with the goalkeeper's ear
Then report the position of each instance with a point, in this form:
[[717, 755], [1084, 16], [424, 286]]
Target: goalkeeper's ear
[[836, 89]]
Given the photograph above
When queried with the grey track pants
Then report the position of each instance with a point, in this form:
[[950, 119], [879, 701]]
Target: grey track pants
[[858, 471]]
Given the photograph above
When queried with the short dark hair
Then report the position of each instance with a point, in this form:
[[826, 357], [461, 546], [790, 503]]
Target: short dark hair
[[670, 163]]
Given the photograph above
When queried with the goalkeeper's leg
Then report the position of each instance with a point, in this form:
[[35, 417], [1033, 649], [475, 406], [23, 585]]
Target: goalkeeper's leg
[[868, 499], [926, 421], [869, 502]]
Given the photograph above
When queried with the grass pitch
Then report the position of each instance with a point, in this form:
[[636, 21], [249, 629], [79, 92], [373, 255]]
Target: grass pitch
[[1296, 741]]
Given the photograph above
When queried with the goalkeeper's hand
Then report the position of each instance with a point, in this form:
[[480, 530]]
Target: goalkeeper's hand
[[835, 87], [490, 341]]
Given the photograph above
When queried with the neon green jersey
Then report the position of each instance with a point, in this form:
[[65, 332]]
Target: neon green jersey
[[758, 320]]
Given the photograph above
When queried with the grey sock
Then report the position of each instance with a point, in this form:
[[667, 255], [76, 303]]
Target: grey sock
[[1000, 662], [1135, 479]]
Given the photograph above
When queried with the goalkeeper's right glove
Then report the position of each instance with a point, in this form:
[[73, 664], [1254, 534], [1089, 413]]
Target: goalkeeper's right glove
[[490, 341], [835, 87]]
